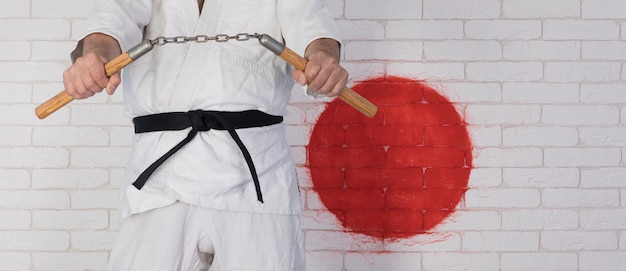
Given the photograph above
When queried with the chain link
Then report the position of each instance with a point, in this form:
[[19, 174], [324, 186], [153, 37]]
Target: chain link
[[160, 41]]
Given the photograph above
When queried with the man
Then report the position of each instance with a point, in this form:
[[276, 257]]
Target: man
[[213, 183]]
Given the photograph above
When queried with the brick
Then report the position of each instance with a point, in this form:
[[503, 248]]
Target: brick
[[503, 29], [380, 261], [90, 114], [384, 178], [93, 240], [509, 157], [15, 9], [14, 220], [453, 135], [14, 51], [77, 260], [100, 157], [389, 221], [360, 136], [465, 9], [61, 8], [603, 50], [603, 178], [393, 9], [580, 115], [329, 135], [70, 136], [422, 114], [15, 261], [603, 219], [485, 177], [485, 136], [540, 219], [16, 136], [541, 177], [462, 50], [580, 30], [438, 71], [328, 177], [540, 136], [504, 71], [602, 260], [540, 9], [582, 71], [603, 137], [346, 199], [425, 157], [532, 50], [458, 261], [603, 9], [13, 93], [332, 240], [469, 220], [360, 30], [384, 50], [431, 242], [34, 29], [34, 241], [52, 50], [419, 199], [580, 198], [540, 93], [97, 199], [319, 220], [348, 157], [501, 241], [424, 29], [503, 198], [13, 179], [539, 261], [34, 200], [297, 135], [603, 93], [577, 241], [70, 220], [565, 157], [446, 177], [473, 92], [69, 178], [324, 261]]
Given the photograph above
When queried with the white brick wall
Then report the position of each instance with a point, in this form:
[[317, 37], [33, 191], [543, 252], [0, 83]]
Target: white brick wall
[[540, 84]]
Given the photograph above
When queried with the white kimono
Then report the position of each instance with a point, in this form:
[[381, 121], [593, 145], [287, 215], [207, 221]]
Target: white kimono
[[210, 171]]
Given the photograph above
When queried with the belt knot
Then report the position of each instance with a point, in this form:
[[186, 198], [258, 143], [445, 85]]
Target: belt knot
[[202, 121]]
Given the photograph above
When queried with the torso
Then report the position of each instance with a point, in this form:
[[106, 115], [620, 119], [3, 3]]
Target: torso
[[200, 4]]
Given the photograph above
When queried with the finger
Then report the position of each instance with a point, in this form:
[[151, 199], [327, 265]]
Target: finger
[[312, 72], [299, 77], [114, 82]]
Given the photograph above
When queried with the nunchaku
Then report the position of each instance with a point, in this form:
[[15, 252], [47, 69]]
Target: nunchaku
[[352, 98]]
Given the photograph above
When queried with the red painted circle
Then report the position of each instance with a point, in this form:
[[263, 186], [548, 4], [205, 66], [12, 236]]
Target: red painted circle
[[398, 174]]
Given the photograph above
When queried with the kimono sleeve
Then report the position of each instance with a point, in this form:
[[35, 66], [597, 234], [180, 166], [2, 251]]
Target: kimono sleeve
[[124, 20], [303, 21]]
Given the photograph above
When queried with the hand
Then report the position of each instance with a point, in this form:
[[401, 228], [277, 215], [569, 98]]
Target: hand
[[87, 75], [323, 74]]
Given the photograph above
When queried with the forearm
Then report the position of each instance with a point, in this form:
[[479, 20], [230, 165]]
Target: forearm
[[329, 47], [104, 46]]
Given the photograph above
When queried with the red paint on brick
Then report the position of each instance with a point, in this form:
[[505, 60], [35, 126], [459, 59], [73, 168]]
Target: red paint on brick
[[398, 174]]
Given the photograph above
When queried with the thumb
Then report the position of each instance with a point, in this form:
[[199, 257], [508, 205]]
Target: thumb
[[299, 76]]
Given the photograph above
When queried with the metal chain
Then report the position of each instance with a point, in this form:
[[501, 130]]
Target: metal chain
[[160, 41]]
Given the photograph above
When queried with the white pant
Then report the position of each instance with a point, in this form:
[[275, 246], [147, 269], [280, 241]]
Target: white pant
[[191, 238]]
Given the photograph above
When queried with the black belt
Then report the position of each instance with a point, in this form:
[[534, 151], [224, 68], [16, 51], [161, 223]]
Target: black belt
[[201, 121]]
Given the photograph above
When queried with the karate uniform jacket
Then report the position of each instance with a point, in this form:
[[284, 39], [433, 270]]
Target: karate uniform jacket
[[227, 76]]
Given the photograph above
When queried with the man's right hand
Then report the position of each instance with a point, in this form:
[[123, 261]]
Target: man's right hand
[[87, 75]]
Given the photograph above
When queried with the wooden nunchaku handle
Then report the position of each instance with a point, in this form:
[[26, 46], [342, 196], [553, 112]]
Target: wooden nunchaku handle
[[347, 95], [112, 67]]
